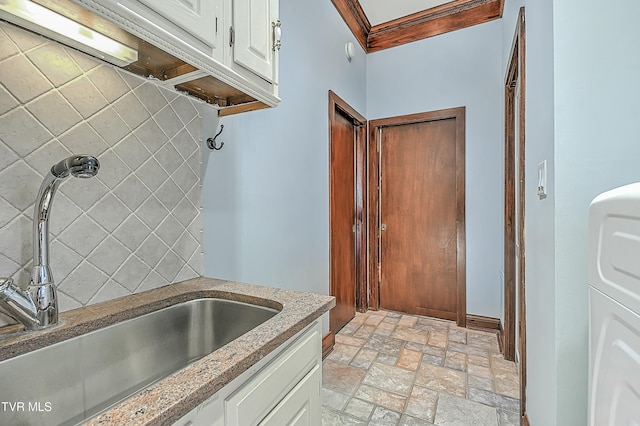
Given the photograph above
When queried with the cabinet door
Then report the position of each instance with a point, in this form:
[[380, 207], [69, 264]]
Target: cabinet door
[[198, 23], [255, 399], [253, 22], [301, 407]]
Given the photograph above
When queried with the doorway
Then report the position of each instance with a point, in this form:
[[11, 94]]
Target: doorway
[[514, 337], [347, 236], [417, 221]]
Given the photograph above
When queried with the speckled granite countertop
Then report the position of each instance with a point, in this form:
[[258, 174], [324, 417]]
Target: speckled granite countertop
[[171, 398]]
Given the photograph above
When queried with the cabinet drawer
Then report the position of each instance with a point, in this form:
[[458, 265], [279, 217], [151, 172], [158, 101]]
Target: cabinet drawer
[[251, 403]]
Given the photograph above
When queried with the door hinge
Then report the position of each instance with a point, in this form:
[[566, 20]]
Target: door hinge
[[354, 227], [383, 226], [232, 34]]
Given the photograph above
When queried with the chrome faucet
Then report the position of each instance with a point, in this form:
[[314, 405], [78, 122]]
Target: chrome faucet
[[37, 306]]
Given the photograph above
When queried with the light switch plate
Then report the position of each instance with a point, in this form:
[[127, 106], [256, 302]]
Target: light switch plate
[[542, 180]]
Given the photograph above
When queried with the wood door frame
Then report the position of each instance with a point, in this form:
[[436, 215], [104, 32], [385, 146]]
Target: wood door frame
[[375, 126], [515, 79], [360, 130]]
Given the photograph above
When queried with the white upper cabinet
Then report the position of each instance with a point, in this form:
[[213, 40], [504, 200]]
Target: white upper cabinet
[[223, 51], [199, 22], [194, 23], [256, 36]]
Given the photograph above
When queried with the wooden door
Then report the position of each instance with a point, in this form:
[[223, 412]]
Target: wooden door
[[421, 214], [514, 337], [347, 134]]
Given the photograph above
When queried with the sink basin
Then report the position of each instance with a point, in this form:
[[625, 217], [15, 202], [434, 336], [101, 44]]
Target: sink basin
[[74, 380]]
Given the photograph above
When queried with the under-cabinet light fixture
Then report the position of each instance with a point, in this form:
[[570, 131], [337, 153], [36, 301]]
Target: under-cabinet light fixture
[[44, 21]]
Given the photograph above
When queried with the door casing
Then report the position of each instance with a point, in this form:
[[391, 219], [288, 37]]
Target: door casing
[[515, 81], [338, 106]]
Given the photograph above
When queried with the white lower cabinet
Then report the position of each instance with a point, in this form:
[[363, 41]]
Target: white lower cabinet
[[301, 406], [282, 389]]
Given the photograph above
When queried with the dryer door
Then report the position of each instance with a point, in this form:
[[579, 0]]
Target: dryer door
[[614, 361], [614, 244]]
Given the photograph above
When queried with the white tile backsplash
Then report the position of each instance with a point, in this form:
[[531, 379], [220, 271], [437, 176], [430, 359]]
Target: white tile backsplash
[[109, 83], [23, 79], [20, 131], [138, 224], [58, 123], [55, 63]]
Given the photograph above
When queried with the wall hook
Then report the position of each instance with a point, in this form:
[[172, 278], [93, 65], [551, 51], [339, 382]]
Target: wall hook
[[211, 142]]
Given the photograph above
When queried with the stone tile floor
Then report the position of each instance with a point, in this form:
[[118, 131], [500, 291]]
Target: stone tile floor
[[389, 368]]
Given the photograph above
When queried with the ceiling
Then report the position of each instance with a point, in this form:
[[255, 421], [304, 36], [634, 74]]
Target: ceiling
[[379, 11], [381, 24]]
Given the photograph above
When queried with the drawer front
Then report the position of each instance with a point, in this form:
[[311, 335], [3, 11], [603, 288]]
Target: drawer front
[[252, 402]]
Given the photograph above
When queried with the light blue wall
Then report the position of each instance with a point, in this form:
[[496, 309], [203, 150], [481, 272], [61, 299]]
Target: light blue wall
[[597, 148], [540, 214], [266, 193], [462, 68], [582, 90]]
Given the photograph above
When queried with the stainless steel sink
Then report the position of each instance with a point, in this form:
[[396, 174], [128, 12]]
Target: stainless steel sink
[[71, 381]]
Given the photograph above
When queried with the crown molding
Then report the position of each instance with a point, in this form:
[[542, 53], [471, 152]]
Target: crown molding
[[448, 17]]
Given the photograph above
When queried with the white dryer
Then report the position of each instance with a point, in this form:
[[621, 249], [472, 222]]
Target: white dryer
[[614, 308]]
